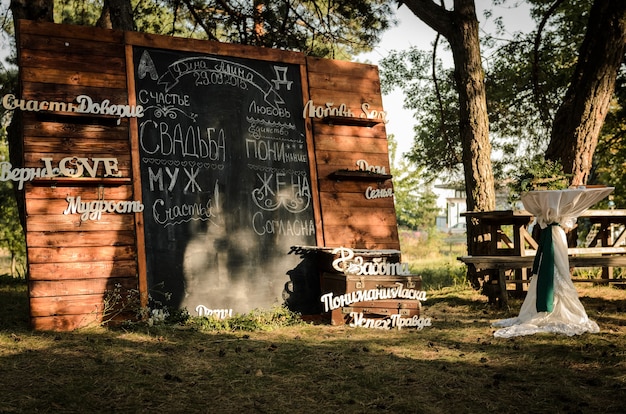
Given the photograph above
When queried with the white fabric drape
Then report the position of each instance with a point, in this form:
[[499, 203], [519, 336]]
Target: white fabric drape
[[568, 316]]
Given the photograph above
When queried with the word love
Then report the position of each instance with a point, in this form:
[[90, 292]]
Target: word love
[[92, 210], [216, 313], [350, 264], [332, 302], [83, 105], [394, 321], [67, 167]]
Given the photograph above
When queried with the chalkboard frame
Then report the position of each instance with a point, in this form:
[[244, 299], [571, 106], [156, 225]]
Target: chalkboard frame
[[133, 40]]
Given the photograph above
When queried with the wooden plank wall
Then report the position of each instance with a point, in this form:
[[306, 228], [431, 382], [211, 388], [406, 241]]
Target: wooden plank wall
[[349, 218], [73, 264]]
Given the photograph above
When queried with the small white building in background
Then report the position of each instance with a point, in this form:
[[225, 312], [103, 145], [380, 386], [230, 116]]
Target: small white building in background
[[451, 201]]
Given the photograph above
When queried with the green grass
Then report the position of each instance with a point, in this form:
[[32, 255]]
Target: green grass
[[454, 366]]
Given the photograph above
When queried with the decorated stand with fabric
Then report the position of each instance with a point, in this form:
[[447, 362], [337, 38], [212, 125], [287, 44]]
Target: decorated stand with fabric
[[552, 303]]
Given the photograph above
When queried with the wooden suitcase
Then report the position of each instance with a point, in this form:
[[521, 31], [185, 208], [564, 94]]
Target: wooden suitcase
[[337, 286]]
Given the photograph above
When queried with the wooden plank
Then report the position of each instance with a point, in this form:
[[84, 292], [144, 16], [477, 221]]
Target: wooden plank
[[80, 238], [322, 65], [72, 222], [69, 32], [57, 206], [100, 57], [348, 200], [341, 83], [72, 77], [34, 129], [362, 237], [325, 131], [49, 288], [350, 143], [83, 270], [345, 186], [67, 93], [66, 305], [65, 322], [80, 254], [122, 192], [42, 145], [359, 216], [211, 47]]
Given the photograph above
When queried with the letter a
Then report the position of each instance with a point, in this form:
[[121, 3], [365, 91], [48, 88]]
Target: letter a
[[146, 65]]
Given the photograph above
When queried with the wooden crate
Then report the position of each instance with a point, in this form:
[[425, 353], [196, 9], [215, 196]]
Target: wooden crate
[[339, 284]]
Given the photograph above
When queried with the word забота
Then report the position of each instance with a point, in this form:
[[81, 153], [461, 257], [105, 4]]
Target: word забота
[[399, 292], [393, 321], [350, 264]]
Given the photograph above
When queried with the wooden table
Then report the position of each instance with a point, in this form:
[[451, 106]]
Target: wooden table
[[507, 245]]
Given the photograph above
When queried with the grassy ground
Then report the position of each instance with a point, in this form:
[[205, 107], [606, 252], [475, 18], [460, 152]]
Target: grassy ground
[[454, 366]]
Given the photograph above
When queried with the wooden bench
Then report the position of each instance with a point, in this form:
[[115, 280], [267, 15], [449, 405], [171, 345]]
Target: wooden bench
[[495, 289]]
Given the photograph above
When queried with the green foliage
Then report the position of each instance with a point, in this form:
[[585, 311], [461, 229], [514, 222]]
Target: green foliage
[[255, 320], [415, 202], [537, 174]]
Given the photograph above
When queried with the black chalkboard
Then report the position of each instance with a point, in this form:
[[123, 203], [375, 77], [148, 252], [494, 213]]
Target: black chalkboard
[[225, 178]]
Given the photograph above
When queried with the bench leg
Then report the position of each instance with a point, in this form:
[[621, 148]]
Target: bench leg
[[504, 296]]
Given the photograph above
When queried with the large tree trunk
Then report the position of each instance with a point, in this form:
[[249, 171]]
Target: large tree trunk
[[580, 117], [460, 28], [117, 14]]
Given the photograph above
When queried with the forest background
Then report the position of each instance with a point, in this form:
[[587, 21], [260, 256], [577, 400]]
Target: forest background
[[526, 73]]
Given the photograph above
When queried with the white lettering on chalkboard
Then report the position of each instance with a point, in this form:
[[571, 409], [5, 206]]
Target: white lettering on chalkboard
[[277, 189], [208, 70], [190, 141], [263, 226], [183, 213]]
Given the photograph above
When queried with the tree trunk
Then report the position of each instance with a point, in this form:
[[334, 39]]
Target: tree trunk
[[117, 14], [580, 117], [460, 28]]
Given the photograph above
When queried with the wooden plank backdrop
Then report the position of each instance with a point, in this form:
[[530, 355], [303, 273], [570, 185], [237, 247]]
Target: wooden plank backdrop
[[72, 264]]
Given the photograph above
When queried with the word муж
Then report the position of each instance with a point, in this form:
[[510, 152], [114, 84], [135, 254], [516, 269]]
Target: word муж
[[398, 292], [393, 321], [84, 105], [92, 210], [350, 264]]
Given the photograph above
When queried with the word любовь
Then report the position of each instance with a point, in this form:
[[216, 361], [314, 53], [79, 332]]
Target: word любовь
[[393, 321], [84, 105], [68, 167], [398, 292]]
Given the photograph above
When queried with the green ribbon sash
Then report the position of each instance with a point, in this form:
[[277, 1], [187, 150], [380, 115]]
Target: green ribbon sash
[[543, 267]]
